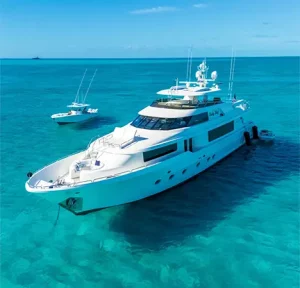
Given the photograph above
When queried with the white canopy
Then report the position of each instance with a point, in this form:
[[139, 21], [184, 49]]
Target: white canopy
[[78, 105]]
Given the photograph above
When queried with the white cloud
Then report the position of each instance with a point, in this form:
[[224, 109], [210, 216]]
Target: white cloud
[[200, 5], [264, 36], [158, 9], [293, 41]]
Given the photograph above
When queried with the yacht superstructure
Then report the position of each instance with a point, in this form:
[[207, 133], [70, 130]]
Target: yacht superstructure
[[170, 141]]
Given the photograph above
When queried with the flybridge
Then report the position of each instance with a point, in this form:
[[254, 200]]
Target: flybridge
[[190, 91], [193, 89]]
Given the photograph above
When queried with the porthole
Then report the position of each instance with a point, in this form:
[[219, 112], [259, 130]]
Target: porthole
[[183, 171], [157, 181], [171, 177], [198, 164]]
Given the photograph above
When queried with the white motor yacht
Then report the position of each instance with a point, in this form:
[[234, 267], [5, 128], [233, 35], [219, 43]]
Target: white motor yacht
[[169, 142], [79, 111]]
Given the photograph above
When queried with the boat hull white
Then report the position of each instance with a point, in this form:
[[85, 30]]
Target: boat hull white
[[67, 119], [143, 183], [266, 136]]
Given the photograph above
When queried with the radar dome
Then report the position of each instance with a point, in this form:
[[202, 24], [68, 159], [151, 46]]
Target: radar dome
[[202, 66], [214, 75], [198, 74]]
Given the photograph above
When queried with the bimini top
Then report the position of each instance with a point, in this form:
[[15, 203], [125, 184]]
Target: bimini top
[[78, 105]]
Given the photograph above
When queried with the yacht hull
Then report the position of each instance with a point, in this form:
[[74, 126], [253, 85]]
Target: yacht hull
[[148, 181]]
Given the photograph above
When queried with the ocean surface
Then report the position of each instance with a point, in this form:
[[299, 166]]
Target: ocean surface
[[235, 225]]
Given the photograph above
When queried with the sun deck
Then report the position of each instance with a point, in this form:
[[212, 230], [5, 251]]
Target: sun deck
[[184, 104]]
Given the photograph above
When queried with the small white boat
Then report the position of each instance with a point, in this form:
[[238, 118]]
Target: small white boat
[[266, 135], [79, 111]]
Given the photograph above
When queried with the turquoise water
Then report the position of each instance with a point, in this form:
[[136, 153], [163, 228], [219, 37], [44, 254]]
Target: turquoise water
[[236, 225]]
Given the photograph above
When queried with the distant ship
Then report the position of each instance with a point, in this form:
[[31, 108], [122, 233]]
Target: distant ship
[[36, 58]]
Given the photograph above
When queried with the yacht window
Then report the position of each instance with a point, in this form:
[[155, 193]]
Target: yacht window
[[159, 152], [137, 121], [180, 122], [151, 123], [167, 124], [185, 145], [144, 122], [203, 117], [159, 123], [154, 123], [191, 144], [220, 131]]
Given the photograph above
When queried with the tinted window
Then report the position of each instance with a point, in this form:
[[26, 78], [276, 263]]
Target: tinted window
[[151, 123], [159, 123], [154, 123], [137, 121], [159, 152], [203, 117], [191, 144], [180, 122], [220, 131], [167, 123], [144, 122]]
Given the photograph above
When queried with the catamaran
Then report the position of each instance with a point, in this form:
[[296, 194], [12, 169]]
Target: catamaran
[[79, 110], [169, 142]]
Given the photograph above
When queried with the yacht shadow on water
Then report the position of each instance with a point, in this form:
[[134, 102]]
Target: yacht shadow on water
[[196, 206]]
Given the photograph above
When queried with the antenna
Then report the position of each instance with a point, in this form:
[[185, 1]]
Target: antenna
[[206, 70], [189, 65], [191, 61], [230, 71], [89, 86], [80, 86], [231, 74]]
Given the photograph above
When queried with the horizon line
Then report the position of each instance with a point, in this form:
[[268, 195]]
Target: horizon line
[[140, 58]]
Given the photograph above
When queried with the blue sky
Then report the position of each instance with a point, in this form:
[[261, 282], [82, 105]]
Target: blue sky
[[156, 28]]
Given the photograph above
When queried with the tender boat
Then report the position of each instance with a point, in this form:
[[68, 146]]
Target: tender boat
[[169, 142], [266, 135], [79, 111]]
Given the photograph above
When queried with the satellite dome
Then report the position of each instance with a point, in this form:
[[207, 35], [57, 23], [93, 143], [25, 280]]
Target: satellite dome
[[214, 75], [198, 74]]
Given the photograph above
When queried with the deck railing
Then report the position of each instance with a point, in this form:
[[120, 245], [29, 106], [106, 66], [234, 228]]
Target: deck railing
[[188, 104], [78, 183]]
